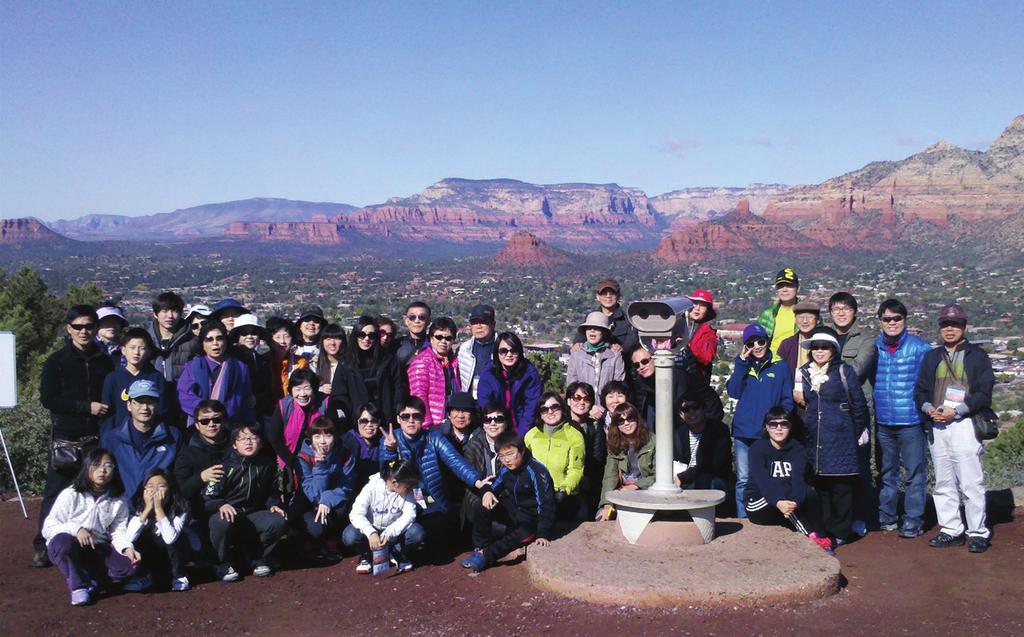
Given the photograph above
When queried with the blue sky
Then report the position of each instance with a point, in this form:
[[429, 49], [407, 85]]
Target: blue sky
[[145, 107]]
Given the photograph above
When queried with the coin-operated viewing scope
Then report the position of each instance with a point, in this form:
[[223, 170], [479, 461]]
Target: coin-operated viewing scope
[[661, 323]]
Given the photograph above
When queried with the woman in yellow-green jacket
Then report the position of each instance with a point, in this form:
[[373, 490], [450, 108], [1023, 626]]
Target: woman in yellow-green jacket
[[559, 446]]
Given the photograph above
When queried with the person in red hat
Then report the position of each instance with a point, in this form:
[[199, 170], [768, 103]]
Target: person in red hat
[[704, 342]]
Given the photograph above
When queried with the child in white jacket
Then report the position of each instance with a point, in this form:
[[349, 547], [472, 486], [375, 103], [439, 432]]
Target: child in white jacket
[[384, 514], [86, 530]]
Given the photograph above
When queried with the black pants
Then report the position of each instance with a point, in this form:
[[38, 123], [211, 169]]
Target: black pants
[[257, 532], [805, 519], [836, 496], [516, 535], [302, 513], [160, 558], [56, 481]]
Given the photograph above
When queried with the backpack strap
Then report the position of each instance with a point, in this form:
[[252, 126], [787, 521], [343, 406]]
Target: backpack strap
[[846, 387]]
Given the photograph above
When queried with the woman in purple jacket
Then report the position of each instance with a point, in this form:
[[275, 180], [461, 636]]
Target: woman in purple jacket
[[512, 381], [214, 373]]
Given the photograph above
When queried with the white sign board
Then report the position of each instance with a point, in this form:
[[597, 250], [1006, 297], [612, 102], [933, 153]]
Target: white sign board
[[8, 379]]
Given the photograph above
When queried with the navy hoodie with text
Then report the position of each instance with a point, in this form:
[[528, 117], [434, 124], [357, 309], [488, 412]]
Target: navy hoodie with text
[[776, 474]]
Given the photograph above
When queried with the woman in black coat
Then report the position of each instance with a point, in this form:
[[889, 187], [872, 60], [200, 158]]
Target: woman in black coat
[[367, 374]]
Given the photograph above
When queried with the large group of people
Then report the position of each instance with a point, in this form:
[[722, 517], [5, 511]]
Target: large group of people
[[211, 444]]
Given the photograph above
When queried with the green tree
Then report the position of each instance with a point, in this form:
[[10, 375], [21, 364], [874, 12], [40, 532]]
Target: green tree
[[551, 370]]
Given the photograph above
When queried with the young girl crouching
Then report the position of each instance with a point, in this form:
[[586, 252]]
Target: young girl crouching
[[86, 530], [325, 471], [384, 514], [160, 515], [777, 488]]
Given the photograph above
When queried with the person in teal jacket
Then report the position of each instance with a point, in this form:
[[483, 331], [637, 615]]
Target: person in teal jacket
[[760, 380]]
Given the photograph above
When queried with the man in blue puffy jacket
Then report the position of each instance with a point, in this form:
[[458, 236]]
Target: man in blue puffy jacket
[[899, 433], [760, 380]]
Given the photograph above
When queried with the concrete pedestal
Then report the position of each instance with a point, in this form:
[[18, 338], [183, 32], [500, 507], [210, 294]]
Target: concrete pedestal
[[636, 509]]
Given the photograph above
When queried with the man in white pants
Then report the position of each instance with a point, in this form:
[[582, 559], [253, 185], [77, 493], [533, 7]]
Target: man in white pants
[[955, 384]]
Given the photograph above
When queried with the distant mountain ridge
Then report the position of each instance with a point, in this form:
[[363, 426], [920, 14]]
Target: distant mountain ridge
[[208, 220]]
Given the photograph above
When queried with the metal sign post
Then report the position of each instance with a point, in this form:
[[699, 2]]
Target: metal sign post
[[9, 399]]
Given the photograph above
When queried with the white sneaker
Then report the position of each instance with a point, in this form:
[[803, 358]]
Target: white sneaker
[[231, 575], [364, 567], [180, 584], [262, 571]]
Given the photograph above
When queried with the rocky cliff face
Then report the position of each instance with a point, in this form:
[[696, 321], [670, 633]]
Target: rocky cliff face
[[940, 183], [26, 229], [525, 249], [299, 232], [688, 206]]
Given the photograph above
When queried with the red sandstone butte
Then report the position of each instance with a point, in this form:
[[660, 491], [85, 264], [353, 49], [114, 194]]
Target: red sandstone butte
[[302, 232], [525, 249], [26, 229]]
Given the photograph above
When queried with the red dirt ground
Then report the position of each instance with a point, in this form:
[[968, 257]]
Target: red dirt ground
[[895, 587]]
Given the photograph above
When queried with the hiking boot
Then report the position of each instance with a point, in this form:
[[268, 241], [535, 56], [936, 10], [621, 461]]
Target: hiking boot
[[364, 567], [180, 584], [81, 597], [910, 532], [978, 544], [41, 560], [945, 540]]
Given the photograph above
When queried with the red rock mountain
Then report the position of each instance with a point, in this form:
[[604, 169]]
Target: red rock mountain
[[939, 183], [525, 249], [26, 229], [300, 232]]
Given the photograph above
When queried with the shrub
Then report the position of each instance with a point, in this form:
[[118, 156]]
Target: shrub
[[551, 370], [1004, 459], [26, 430]]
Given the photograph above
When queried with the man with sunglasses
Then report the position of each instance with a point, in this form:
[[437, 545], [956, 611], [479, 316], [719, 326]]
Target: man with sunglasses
[[898, 421], [416, 319], [437, 459], [200, 462], [70, 387], [760, 380], [476, 353], [701, 448]]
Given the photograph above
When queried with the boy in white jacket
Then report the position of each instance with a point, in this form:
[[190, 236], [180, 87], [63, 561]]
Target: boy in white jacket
[[384, 514], [86, 530]]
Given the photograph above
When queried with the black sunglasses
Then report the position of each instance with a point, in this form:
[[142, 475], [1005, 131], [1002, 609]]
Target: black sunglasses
[[890, 319], [368, 335], [499, 419], [502, 351], [756, 342], [640, 363], [450, 339], [687, 408], [216, 420], [78, 327]]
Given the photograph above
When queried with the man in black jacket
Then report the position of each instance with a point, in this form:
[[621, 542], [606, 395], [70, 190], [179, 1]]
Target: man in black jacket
[[199, 463], [70, 387], [246, 502], [417, 320], [955, 384], [702, 449]]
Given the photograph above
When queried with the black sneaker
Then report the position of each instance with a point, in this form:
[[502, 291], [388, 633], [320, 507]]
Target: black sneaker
[[40, 559], [910, 532], [944, 540], [978, 544]]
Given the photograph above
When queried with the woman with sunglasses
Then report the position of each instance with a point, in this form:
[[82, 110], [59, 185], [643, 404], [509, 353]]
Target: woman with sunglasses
[[512, 381], [363, 443], [434, 371], [777, 490], [630, 464], [580, 397], [367, 374], [836, 419], [216, 373], [759, 381], [480, 451], [245, 338], [560, 447]]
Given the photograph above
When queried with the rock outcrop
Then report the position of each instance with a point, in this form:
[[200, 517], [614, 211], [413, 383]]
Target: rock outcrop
[[688, 206], [26, 229], [938, 184], [525, 249], [299, 232]]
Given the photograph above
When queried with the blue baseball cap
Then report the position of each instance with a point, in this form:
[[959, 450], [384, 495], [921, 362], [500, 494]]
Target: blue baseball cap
[[143, 388], [754, 330]]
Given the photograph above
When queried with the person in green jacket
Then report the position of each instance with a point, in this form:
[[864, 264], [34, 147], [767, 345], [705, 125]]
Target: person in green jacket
[[630, 464], [778, 318], [559, 446]]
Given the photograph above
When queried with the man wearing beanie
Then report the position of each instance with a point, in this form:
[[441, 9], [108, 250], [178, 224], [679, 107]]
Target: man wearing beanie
[[778, 319], [955, 384]]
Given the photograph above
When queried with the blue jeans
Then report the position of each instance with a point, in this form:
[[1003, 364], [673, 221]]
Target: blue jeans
[[906, 445], [741, 449], [405, 543]]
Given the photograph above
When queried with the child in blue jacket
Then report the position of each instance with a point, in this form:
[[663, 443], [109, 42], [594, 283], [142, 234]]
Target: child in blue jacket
[[326, 473]]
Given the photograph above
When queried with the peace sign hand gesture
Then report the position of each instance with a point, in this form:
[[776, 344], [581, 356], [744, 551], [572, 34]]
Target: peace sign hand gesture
[[390, 442]]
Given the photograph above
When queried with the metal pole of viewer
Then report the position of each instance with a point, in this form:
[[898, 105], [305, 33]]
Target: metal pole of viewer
[[9, 399]]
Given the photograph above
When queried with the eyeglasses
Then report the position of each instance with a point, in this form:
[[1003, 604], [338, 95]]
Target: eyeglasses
[[368, 335], [890, 319], [109, 466], [498, 419], [78, 327], [505, 351], [198, 325], [214, 420], [248, 440], [508, 455], [213, 339], [685, 409], [548, 409], [414, 416], [778, 424], [417, 317], [368, 421], [840, 308], [440, 337], [756, 342], [643, 361], [579, 397]]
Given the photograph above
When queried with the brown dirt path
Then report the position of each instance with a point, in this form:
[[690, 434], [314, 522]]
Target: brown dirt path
[[895, 587]]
